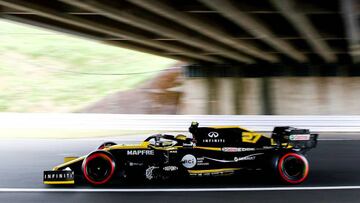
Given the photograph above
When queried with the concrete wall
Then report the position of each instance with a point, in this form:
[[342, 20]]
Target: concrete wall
[[286, 96]]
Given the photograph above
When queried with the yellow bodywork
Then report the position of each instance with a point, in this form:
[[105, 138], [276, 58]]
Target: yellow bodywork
[[142, 145], [208, 148], [251, 137], [69, 158], [68, 163], [213, 170], [59, 182]]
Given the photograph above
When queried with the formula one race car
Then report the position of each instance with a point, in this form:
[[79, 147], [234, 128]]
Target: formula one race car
[[212, 151]]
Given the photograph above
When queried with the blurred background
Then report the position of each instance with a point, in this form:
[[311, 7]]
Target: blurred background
[[191, 57]]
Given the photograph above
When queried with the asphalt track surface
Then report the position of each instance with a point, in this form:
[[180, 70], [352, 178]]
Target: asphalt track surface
[[333, 164]]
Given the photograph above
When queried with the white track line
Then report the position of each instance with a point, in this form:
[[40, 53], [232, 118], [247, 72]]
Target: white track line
[[4, 190], [338, 139]]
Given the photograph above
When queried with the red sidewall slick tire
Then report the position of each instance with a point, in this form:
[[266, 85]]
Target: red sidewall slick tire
[[302, 174], [103, 156]]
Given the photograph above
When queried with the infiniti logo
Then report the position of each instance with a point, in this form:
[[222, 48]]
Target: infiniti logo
[[213, 134]]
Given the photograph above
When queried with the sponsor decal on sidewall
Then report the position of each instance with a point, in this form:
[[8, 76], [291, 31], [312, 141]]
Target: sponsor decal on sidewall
[[213, 134], [246, 158], [135, 164], [235, 149], [299, 137], [200, 162], [213, 138], [140, 152], [188, 161], [59, 175], [170, 168]]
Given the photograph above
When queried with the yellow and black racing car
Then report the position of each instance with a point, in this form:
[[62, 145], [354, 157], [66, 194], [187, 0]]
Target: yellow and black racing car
[[211, 151]]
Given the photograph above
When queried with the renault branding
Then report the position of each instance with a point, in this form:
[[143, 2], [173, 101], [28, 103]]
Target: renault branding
[[247, 158]]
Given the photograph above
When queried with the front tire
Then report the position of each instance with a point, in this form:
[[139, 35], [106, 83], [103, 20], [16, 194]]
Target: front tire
[[98, 167], [292, 168]]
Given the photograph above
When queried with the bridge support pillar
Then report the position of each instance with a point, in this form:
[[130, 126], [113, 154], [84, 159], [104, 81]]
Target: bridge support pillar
[[226, 95], [195, 99], [222, 95]]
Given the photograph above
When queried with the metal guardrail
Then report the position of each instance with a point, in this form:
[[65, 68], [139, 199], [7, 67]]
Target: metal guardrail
[[174, 122]]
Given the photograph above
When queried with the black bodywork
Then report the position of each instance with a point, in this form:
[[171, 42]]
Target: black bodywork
[[210, 151]]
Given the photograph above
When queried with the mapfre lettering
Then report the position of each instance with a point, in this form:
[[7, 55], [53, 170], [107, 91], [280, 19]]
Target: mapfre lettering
[[140, 152]]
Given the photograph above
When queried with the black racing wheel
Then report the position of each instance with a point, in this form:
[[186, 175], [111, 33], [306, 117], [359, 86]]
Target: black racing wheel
[[98, 167], [106, 144], [292, 168]]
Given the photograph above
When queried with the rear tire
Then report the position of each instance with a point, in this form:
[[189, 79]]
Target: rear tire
[[292, 168], [98, 167]]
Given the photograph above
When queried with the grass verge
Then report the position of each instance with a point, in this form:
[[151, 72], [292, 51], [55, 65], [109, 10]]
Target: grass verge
[[40, 70]]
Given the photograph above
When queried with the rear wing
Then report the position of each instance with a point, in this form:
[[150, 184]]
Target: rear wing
[[297, 138]]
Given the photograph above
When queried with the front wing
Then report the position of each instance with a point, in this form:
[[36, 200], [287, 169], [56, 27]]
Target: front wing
[[59, 177]]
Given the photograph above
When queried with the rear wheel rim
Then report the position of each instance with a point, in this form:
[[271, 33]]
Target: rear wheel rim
[[293, 168], [98, 168]]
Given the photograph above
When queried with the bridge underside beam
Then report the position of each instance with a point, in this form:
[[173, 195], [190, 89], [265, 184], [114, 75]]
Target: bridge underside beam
[[150, 23], [254, 26], [273, 70], [97, 27], [304, 26], [203, 27], [44, 23], [208, 31]]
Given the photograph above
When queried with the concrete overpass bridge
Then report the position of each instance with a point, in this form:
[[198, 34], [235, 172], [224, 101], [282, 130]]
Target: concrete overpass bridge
[[245, 56]]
